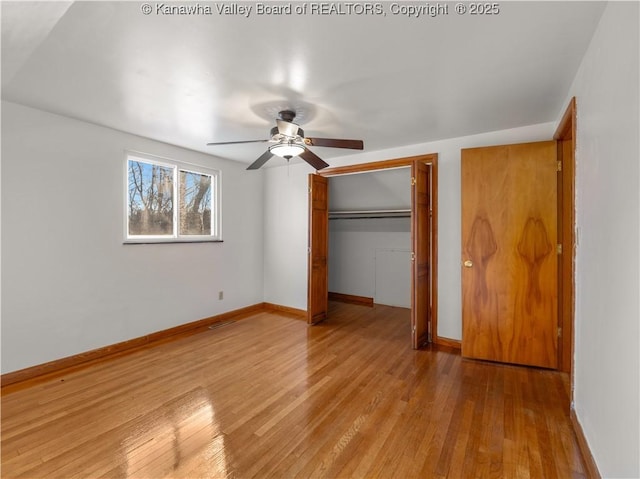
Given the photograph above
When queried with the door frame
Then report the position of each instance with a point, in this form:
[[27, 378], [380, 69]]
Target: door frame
[[565, 135], [432, 160]]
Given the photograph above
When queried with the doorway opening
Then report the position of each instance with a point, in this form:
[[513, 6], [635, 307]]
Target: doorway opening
[[422, 247], [369, 255]]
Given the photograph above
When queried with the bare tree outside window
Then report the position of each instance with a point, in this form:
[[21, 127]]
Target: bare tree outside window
[[166, 203], [150, 199], [195, 203]]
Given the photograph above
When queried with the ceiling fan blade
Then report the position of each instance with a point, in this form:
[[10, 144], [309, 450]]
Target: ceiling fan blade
[[334, 143], [236, 142], [287, 128], [260, 161], [313, 159]]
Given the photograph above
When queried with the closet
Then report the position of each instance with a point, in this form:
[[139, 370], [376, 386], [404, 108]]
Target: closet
[[383, 236], [370, 236]]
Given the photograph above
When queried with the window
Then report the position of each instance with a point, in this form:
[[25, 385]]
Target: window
[[171, 202]]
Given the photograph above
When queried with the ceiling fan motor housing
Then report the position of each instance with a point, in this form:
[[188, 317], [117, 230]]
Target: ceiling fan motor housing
[[287, 115], [275, 131]]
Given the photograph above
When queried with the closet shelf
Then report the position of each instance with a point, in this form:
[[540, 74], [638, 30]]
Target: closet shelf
[[361, 214]]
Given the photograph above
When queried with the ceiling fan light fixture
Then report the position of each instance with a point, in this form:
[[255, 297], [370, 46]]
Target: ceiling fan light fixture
[[288, 140], [287, 149]]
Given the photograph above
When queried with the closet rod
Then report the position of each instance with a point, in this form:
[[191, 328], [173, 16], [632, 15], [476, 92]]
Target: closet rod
[[358, 214]]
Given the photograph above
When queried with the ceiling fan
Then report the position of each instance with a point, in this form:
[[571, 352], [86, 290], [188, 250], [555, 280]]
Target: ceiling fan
[[288, 141]]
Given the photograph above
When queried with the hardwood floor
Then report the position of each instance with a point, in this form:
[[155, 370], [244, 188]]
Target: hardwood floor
[[268, 396]]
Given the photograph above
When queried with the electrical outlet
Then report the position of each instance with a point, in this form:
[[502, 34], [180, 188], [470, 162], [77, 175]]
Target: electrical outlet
[[220, 295]]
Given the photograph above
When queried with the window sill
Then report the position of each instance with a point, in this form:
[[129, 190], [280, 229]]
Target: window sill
[[172, 241]]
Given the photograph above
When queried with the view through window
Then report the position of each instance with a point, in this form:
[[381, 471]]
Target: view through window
[[169, 202]]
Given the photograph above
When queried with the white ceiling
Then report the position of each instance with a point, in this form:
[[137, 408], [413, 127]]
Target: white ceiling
[[388, 80]]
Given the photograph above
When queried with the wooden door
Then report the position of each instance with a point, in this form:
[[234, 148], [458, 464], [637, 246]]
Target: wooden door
[[421, 253], [318, 281], [509, 254]]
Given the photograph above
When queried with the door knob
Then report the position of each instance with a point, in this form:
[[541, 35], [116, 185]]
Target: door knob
[[468, 263]]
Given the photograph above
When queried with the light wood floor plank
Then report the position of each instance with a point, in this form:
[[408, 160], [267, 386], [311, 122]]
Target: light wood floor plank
[[269, 396]]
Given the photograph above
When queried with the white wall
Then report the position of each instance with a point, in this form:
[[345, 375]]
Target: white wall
[[607, 344], [68, 283], [357, 250], [286, 219], [376, 190]]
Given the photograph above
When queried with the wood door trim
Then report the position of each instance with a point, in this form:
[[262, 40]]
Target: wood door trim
[[378, 165], [432, 159], [566, 136], [567, 127], [435, 338]]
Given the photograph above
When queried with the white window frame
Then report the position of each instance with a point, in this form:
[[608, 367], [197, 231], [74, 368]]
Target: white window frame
[[176, 167]]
